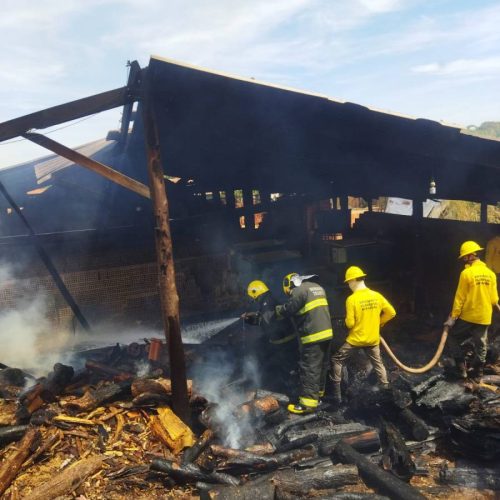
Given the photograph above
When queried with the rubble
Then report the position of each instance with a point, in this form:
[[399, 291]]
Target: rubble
[[105, 431]]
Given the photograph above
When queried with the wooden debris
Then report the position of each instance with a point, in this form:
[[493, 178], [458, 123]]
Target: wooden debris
[[12, 464], [68, 480], [171, 430], [374, 476]]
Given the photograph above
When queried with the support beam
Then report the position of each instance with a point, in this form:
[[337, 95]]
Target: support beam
[[65, 112], [84, 161], [166, 274], [484, 213], [47, 261]]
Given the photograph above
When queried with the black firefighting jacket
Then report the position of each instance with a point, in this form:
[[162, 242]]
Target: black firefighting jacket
[[309, 308], [278, 330]]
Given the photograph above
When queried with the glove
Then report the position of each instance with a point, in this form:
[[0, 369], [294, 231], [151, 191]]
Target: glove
[[252, 318], [449, 322]]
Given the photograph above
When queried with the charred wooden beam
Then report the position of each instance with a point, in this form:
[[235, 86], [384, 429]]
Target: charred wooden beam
[[84, 161], [364, 442], [166, 273], [190, 473], [44, 257], [65, 112], [303, 483], [12, 464], [374, 476], [245, 461], [327, 430]]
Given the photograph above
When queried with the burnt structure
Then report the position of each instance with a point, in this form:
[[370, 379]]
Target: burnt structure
[[239, 154]]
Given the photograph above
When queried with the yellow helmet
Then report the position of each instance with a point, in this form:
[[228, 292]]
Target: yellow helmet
[[354, 272], [469, 247], [256, 288], [287, 283]]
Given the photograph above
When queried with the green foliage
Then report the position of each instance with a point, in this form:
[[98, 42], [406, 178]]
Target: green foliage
[[489, 130]]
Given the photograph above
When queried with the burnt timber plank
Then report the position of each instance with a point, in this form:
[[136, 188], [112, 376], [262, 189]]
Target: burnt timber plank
[[65, 112]]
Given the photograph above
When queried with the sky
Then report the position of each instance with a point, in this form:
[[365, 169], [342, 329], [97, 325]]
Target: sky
[[436, 59]]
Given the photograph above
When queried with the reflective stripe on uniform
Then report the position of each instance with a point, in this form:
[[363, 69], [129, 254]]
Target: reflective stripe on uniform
[[283, 340], [313, 305], [316, 337], [321, 393], [311, 403]]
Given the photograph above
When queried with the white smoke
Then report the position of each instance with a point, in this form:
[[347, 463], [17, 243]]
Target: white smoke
[[27, 339], [215, 380]]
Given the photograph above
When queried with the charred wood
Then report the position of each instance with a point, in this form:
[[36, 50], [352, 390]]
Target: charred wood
[[68, 480], [281, 398], [296, 443], [263, 490], [96, 397], [190, 473], [192, 453], [12, 433], [276, 417], [364, 442], [107, 371], [396, 457], [374, 476], [245, 461], [161, 386], [471, 477], [328, 430], [45, 391], [294, 421], [305, 482], [12, 464], [12, 376], [257, 408], [416, 426]]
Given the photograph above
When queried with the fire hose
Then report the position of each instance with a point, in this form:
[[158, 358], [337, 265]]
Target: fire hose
[[429, 365]]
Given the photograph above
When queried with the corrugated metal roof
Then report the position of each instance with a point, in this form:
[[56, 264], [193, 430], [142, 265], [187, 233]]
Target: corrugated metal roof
[[45, 169]]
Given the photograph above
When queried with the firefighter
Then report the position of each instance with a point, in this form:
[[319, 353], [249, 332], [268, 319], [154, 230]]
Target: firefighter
[[308, 306], [280, 331], [366, 311], [472, 310]]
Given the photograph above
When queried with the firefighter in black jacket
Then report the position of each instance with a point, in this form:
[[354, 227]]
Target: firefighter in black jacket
[[281, 332], [308, 306]]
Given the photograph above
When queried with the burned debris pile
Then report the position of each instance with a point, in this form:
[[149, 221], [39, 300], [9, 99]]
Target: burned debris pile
[[108, 430]]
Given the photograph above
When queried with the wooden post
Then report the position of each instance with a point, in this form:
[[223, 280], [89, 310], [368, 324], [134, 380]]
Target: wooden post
[[484, 213], [166, 273]]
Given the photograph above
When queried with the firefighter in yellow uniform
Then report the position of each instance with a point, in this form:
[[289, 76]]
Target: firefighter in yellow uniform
[[472, 310], [366, 311], [308, 306]]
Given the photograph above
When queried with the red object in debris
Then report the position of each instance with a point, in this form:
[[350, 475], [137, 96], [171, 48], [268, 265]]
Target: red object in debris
[[154, 350]]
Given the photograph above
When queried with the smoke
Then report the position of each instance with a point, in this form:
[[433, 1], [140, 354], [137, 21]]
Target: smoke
[[27, 338], [216, 379]]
